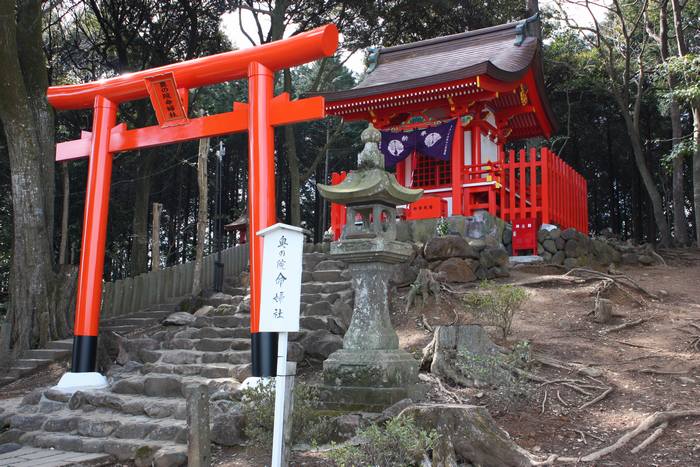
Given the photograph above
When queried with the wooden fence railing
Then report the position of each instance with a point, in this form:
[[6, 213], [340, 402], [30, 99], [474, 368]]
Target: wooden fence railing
[[544, 188], [134, 293]]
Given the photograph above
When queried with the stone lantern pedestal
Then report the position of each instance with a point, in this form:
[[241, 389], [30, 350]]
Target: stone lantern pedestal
[[370, 372]]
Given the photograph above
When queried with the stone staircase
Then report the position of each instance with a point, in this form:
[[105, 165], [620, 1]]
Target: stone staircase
[[142, 415], [31, 361]]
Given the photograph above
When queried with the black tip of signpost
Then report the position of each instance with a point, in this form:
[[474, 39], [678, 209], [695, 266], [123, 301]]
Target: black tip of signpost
[[263, 348], [84, 354]]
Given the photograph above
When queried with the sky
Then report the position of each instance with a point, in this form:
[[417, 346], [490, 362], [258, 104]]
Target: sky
[[231, 27]]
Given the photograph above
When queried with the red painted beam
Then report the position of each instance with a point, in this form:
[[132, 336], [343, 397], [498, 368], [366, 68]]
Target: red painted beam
[[296, 50], [283, 112]]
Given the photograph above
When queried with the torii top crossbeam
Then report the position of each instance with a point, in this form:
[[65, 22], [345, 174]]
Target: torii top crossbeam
[[205, 71], [168, 87]]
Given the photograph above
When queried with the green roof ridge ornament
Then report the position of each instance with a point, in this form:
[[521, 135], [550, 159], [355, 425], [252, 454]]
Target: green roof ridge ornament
[[372, 58], [521, 30]]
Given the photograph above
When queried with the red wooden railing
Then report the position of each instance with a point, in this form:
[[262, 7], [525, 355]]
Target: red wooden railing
[[543, 187], [530, 184]]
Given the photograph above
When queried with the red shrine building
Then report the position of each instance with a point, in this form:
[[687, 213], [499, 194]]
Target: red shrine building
[[468, 95]]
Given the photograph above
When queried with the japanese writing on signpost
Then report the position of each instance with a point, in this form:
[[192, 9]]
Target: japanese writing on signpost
[[281, 282]]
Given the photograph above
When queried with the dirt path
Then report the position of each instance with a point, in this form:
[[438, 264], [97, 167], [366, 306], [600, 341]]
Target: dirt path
[[652, 367]]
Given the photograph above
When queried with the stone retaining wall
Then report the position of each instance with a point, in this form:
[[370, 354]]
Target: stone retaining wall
[[572, 249]]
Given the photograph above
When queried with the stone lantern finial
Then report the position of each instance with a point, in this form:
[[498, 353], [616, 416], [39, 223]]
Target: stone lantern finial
[[370, 157]]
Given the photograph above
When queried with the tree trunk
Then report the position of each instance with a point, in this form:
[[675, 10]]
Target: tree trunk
[[138, 263], [695, 107], [657, 204], [29, 129], [202, 213], [680, 221], [292, 162], [155, 237], [64, 215], [696, 170]]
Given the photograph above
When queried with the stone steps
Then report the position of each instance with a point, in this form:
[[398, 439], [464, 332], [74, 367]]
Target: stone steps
[[183, 357], [222, 321], [102, 424], [170, 385], [119, 329], [47, 354], [211, 370], [129, 404], [144, 411], [121, 449], [209, 344], [329, 276], [66, 344], [129, 321]]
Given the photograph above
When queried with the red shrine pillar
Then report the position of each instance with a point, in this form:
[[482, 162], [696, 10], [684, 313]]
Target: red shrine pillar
[[457, 169], [92, 253], [261, 206]]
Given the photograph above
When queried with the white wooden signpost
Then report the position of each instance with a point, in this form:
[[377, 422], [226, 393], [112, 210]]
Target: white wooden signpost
[[279, 308]]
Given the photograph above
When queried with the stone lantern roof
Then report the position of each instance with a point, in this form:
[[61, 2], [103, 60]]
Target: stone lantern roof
[[370, 183]]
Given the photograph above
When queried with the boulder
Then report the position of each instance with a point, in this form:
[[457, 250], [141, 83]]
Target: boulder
[[507, 236], [170, 456], [478, 245], [571, 249], [569, 233], [542, 235], [321, 343], [179, 318], [404, 273], [491, 257], [342, 311], [227, 428], [456, 270], [550, 246], [630, 258], [571, 263], [218, 298], [560, 243], [646, 260], [555, 234], [448, 246], [500, 271], [558, 257], [204, 311]]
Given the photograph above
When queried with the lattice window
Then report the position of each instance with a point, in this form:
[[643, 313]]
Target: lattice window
[[431, 172]]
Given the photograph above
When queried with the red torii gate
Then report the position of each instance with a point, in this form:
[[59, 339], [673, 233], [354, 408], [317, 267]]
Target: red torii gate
[[168, 87]]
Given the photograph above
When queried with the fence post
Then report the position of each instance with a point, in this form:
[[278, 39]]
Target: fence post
[[198, 442], [118, 297]]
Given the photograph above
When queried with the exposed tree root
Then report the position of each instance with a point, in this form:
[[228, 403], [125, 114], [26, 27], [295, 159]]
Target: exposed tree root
[[626, 325], [451, 394], [617, 278], [660, 419], [553, 279], [597, 399], [651, 438], [425, 284], [425, 324]]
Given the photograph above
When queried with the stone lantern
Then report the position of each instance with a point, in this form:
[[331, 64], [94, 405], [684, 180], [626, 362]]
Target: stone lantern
[[370, 372]]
